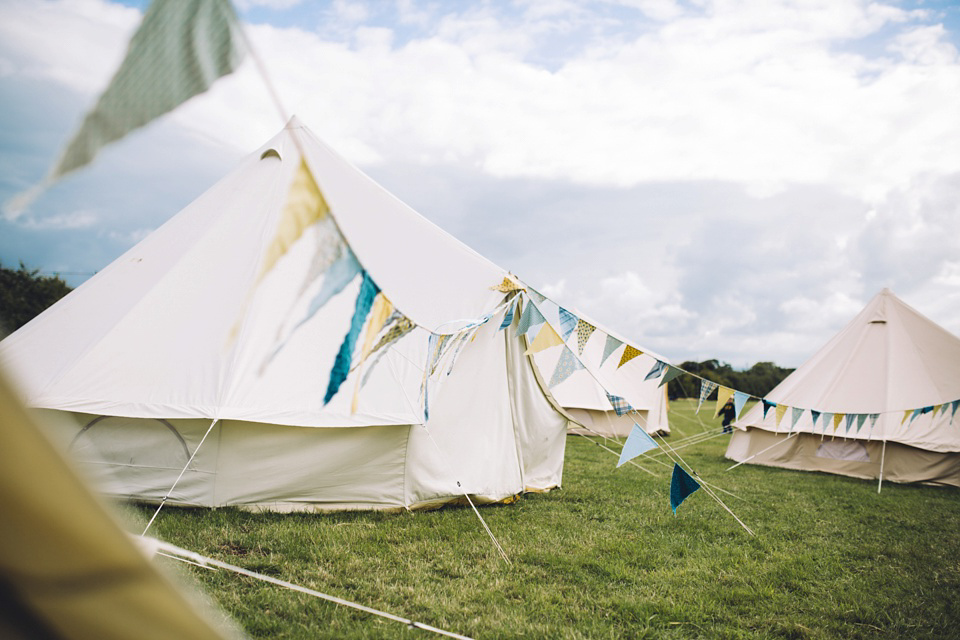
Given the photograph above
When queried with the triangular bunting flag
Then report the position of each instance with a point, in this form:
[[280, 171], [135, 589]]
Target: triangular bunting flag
[[619, 405], [629, 353], [861, 418], [507, 286], [341, 365], [936, 408], [849, 418], [584, 331], [178, 52], [611, 345], [837, 419], [739, 399], [639, 441], [567, 364], [873, 420], [536, 295], [916, 412], [671, 374], [767, 405], [530, 318], [827, 419], [681, 486], [723, 394], [906, 414], [382, 308], [953, 409], [795, 416], [568, 322], [656, 371], [545, 339], [781, 411], [706, 388], [508, 316], [814, 415]]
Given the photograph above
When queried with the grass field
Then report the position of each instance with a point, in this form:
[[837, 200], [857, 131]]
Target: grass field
[[605, 557]]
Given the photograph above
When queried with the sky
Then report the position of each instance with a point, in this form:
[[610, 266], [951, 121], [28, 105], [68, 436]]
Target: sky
[[709, 179]]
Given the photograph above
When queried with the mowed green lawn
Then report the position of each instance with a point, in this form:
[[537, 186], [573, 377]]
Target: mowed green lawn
[[605, 557]]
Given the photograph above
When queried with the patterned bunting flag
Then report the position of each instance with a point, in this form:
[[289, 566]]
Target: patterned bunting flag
[[179, 50], [681, 486], [671, 374], [849, 419], [341, 365], [781, 411], [584, 331], [657, 370], [639, 441], [629, 353], [767, 405], [861, 418], [723, 394], [795, 416], [620, 405], [507, 286], [739, 399], [545, 339], [706, 388], [530, 318], [568, 322], [611, 345], [873, 420], [537, 296], [508, 316], [814, 415], [400, 328], [382, 310], [567, 364]]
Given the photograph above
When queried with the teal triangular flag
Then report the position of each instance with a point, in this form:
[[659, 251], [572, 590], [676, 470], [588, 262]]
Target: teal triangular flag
[[639, 441], [953, 409], [672, 372], [611, 345], [508, 316], [681, 486], [873, 420], [530, 318], [827, 419], [739, 399], [795, 415], [913, 415], [566, 365], [815, 415], [767, 405], [849, 421], [861, 418], [341, 365]]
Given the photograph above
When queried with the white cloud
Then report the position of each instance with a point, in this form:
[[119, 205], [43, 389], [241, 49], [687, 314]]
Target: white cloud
[[60, 222]]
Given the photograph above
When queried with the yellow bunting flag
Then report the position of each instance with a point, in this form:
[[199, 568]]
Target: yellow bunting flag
[[545, 339], [305, 206], [936, 408], [723, 394], [906, 414], [837, 418], [781, 411], [629, 353], [507, 286]]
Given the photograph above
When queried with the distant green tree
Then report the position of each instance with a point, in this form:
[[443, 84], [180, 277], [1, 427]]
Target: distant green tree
[[24, 294]]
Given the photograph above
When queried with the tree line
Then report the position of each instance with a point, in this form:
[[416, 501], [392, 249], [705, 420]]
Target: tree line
[[757, 381]]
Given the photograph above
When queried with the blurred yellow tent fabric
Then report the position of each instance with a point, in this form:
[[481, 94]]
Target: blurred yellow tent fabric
[[67, 570]]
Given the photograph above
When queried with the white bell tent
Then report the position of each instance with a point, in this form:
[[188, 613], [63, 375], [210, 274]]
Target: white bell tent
[[210, 331], [877, 401]]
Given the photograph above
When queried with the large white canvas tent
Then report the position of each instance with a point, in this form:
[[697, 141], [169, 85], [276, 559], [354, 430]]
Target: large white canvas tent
[[189, 329], [892, 376]]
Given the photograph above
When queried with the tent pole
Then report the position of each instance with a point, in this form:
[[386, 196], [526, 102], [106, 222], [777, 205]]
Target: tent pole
[[883, 453]]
